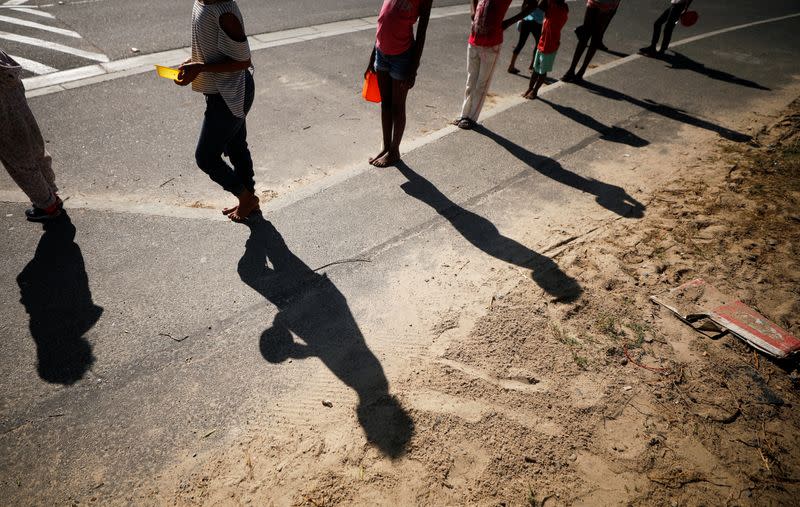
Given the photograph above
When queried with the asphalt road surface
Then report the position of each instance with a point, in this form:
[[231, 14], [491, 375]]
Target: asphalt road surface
[[164, 308], [112, 28]]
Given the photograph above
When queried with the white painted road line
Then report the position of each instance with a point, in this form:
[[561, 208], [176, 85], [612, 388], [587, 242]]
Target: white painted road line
[[39, 26], [33, 66], [29, 10], [32, 41], [34, 10]]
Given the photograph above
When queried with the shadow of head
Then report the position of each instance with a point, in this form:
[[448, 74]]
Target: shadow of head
[[616, 199], [547, 275], [386, 424], [54, 288]]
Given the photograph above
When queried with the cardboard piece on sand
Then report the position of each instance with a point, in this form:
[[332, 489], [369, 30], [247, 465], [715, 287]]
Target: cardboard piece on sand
[[697, 303]]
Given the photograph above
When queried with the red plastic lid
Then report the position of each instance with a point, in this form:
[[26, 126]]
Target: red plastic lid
[[689, 18]]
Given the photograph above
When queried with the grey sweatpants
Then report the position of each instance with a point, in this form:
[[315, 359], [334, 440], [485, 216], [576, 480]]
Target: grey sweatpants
[[22, 150]]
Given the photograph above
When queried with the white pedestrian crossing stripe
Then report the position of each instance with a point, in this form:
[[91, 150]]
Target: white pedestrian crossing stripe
[[16, 15], [39, 26], [33, 66]]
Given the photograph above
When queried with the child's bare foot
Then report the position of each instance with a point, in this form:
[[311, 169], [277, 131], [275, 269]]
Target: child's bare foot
[[513, 70], [228, 211], [379, 155], [530, 95], [248, 203], [390, 158]]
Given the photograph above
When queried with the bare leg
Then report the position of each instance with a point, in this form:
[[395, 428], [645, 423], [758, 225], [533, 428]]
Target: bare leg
[[589, 55], [399, 95], [531, 85], [537, 80], [598, 29], [512, 66], [385, 85], [584, 34]]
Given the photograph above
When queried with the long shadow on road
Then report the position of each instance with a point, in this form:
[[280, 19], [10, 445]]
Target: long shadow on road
[[607, 133], [611, 197], [679, 61], [484, 235], [666, 111], [312, 308], [54, 289]]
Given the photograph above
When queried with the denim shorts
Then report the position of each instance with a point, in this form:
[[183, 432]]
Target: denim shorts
[[399, 66]]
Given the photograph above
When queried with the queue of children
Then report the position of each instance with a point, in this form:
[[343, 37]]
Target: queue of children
[[220, 68]]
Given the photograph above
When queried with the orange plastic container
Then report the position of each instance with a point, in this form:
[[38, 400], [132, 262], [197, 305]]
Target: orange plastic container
[[371, 91]]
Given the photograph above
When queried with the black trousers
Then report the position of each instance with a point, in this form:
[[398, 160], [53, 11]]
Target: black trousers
[[527, 28], [671, 16]]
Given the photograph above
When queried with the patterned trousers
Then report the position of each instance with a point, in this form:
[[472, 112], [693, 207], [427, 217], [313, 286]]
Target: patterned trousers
[[22, 150], [481, 61]]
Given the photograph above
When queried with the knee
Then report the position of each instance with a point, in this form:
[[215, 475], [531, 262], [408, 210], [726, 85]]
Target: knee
[[398, 109], [204, 158]]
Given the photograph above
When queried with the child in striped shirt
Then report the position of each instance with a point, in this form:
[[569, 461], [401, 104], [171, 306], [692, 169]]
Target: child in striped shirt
[[220, 69]]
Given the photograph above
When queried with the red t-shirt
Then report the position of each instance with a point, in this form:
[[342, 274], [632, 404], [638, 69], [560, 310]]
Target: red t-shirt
[[494, 24], [555, 17], [396, 26]]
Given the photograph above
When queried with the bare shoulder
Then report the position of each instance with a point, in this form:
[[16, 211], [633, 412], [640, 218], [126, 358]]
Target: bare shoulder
[[232, 27]]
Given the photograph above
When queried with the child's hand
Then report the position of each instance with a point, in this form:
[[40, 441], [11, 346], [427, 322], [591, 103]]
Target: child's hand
[[189, 72]]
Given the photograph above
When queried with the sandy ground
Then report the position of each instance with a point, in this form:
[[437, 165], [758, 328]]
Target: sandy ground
[[599, 398]]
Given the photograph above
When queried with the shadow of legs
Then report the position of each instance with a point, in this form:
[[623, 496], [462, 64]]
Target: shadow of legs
[[54, 289]]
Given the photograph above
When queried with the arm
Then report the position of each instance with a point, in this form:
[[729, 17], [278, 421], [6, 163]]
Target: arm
[[419, 43], [233, 28], [528, 6], [371, 66]]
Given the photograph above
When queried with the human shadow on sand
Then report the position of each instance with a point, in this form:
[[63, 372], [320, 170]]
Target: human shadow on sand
[[611, 197], [607, 133], [54, 289], [666, 111], [311, 307], [679, 61], [485, 236]]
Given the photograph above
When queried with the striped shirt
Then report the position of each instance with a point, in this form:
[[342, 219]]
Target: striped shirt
[[210, 44]]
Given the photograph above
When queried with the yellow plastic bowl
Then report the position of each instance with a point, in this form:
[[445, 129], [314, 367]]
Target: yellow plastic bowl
[[167, 72]]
